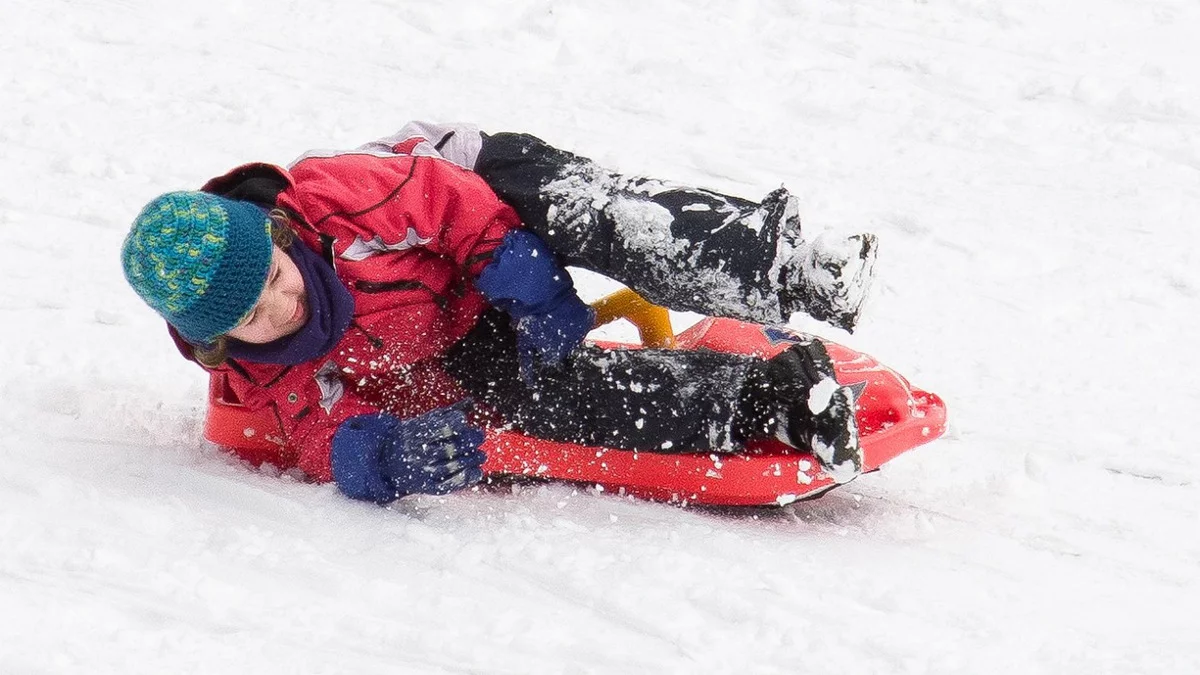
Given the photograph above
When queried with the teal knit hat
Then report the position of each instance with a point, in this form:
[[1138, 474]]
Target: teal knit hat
[[199, 260]]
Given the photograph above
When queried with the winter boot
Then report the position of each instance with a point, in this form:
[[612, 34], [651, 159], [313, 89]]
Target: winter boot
[[796, 398], [829, 277]]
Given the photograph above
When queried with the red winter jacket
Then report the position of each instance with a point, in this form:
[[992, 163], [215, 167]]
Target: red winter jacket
[[408, 236]]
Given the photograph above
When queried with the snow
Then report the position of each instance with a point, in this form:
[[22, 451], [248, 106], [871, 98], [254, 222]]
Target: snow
[[1029, 167], [821, 394]]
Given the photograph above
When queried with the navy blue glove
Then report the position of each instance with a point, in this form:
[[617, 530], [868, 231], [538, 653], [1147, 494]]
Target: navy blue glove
[[379, 457], [525, 280], [547, 338]]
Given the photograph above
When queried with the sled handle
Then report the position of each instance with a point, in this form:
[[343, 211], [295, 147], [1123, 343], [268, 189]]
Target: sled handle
[[653, 323]]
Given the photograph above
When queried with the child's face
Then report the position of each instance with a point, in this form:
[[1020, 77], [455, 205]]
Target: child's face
[[282, 308]]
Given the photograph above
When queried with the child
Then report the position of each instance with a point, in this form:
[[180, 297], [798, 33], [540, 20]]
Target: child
[[368, 297]]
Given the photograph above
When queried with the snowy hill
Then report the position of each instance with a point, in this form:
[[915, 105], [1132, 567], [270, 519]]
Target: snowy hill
[[1031, 169]]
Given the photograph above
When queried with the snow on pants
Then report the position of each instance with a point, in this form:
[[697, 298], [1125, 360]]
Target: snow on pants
[[657, 400], [681, 247]]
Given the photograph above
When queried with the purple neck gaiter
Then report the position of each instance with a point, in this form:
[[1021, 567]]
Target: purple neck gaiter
[[330, 306]]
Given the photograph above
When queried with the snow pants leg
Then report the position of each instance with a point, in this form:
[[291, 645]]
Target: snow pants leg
[[640, 399], [680, 247]]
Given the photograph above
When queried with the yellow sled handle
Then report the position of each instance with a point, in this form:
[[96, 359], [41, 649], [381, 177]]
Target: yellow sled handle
[[653, 323]]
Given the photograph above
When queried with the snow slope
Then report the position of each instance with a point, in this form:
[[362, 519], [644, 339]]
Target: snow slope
[[1030, 167]]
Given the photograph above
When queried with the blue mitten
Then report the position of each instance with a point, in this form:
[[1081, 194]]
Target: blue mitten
[[525, 280], [379, 457], [548, 337]]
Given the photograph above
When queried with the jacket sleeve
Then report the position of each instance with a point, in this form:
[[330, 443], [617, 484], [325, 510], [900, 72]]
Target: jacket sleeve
[[456, 141], [373, 204]]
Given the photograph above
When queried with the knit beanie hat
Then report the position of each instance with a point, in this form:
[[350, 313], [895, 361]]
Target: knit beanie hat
[[199, 260]]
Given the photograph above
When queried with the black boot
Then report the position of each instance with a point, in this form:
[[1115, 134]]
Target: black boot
[[795, 398], [829, 277]]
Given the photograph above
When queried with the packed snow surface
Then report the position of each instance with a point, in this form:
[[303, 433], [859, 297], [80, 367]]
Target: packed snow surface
[[1031, 169]]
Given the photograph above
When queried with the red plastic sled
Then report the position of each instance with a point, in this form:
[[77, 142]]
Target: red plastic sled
[[893, 417]]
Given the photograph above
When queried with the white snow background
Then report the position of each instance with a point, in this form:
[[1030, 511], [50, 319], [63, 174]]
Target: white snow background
[[1030, 167]]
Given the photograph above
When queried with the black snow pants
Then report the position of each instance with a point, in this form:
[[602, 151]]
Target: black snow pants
[[685, 248], [680, 247], [656, 400]]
